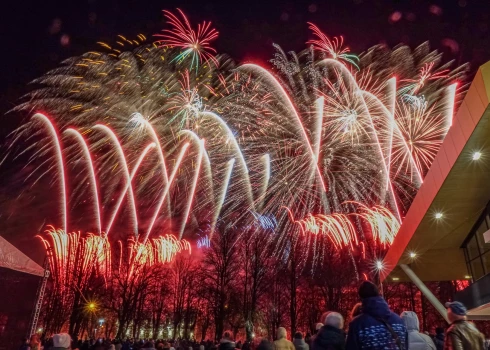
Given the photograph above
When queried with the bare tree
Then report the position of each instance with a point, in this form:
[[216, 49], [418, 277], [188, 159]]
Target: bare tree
[[220, 269], [256, 266]]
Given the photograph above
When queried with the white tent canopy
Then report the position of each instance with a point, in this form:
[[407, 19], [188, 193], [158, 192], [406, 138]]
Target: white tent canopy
[[12, 258]]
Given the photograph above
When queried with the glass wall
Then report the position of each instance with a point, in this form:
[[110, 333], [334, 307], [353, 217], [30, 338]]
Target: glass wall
[[477, 252]]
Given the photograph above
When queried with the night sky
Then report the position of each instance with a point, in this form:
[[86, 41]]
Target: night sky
[[38, 35]]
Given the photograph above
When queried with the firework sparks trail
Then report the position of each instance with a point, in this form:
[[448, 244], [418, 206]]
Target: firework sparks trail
[[60, 163], [425, 75], [391, 85], [283, 95], [156, 140], [310, 135], [192, 42], [127, 177], [266, 160], [337, 227], [383, 224], [332, 47], [207, 163], [193, 188], [231, 138], [128, 186], [90, 165], [165, 191], [396, 128], [373, 133], [167, 247], [221, 201]]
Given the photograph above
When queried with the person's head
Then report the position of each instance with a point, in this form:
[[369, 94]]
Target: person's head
[[318, 326], [439, 330], [323, 318], [334, 319], [62, 340], [298, 335], [456, 311], [34, 339], [227, 335], [368, 290], [356, 310], [281, 333], [411, 320]]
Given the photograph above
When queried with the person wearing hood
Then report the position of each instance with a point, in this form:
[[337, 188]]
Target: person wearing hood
[[377, 327], [330, 336], [282, 343], [226, 343], [299, 342], [416, 340]]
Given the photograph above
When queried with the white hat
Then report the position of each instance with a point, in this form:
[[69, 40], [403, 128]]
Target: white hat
[[62, 340]]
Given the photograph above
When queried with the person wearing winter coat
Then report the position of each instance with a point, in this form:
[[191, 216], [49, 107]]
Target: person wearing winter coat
[[299, 342], [282, 343], [416, 340], [439, 338], [377, 327], [226, 343], [330, 336], [265, 345], [461, 334]]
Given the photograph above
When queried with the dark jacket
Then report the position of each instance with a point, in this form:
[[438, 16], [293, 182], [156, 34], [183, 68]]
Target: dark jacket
[[300, 344], [226, 344], [329, 338], [265, 345], [367, 332], [463, 335], [439, 341]]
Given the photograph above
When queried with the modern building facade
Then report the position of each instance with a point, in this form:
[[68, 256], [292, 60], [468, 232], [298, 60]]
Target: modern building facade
[[446, 232]]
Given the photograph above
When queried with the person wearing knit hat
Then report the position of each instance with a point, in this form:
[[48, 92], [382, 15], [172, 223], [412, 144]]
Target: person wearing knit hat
[[376, 327], [368, 290], [61, 341]]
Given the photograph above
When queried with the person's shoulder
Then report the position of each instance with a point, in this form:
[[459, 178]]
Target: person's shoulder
[[358, 319], [395, 317]]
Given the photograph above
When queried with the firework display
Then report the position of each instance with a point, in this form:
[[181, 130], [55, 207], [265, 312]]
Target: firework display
[[172, 138]]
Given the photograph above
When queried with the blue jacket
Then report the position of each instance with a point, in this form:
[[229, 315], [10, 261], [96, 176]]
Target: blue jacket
[[366, 332]]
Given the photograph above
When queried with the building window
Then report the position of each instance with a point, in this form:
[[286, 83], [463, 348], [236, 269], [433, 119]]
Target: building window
[[477, 252]]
